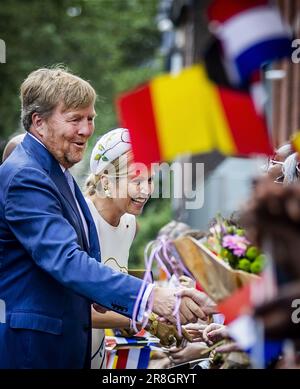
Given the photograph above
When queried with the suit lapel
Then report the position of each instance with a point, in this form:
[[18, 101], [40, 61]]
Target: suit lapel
[[58, 177], [94, 248]]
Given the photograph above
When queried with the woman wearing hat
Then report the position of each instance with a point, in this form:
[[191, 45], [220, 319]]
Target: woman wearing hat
[[116, 192]]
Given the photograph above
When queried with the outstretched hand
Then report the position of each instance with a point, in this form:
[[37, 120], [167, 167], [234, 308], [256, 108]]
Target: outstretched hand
[[201, 299], [214, 333], [194, 304]]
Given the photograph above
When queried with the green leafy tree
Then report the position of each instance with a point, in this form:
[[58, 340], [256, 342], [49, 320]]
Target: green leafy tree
[[112, 43]]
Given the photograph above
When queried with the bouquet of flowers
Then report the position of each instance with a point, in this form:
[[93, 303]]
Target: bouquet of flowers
[[228, 241], [223, 261]]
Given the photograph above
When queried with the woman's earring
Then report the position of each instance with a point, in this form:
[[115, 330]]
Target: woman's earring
[[107, 192]]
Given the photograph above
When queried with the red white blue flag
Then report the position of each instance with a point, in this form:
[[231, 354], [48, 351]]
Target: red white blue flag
[[251, 32], [129, 358]]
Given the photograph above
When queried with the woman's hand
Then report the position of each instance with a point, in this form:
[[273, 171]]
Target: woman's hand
[[195, 331], [214, 333], [227, 348], [191, 352]]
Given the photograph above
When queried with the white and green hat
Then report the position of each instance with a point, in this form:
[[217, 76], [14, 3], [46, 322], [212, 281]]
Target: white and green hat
[[108, 148]]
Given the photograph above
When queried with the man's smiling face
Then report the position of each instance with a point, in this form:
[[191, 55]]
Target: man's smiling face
[[65, 133]]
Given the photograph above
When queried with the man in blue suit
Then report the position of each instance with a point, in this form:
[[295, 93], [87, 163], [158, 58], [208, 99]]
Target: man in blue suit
[[50, 268]]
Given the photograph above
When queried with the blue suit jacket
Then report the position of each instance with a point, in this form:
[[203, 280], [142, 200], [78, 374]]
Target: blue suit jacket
[[48, 275]]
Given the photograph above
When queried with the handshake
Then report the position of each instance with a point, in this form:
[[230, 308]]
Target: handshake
[[162, 322], [194, 304]]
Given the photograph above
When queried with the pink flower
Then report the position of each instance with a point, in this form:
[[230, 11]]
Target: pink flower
[[238, 244]]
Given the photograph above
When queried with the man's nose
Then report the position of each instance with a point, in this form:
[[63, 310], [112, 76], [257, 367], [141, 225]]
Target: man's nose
[[86, 128]]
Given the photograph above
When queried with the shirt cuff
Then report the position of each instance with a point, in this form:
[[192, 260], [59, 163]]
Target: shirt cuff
[[143, 305]]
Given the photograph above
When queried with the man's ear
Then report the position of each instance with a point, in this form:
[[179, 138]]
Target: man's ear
[[38, 123]]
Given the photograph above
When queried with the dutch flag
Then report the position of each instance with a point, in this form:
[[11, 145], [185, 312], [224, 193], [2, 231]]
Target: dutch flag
[[252, 33]]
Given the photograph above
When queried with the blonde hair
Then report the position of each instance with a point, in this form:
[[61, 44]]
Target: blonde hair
[[119, 168], [45, 88]]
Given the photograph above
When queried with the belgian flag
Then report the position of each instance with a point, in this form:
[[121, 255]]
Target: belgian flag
[[190, 113]]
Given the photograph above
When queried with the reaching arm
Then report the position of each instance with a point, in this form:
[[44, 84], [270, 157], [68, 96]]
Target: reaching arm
[[35, 215], [109, 319]]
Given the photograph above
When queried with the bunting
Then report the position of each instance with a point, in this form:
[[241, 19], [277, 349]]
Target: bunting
[[129, 358]]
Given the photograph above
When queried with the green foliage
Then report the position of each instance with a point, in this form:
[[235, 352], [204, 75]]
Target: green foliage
[[111, 43], [229, 242], [252, 252], [256, 267], [233, 260], [155, 216], [244, 264], [240, 232]]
